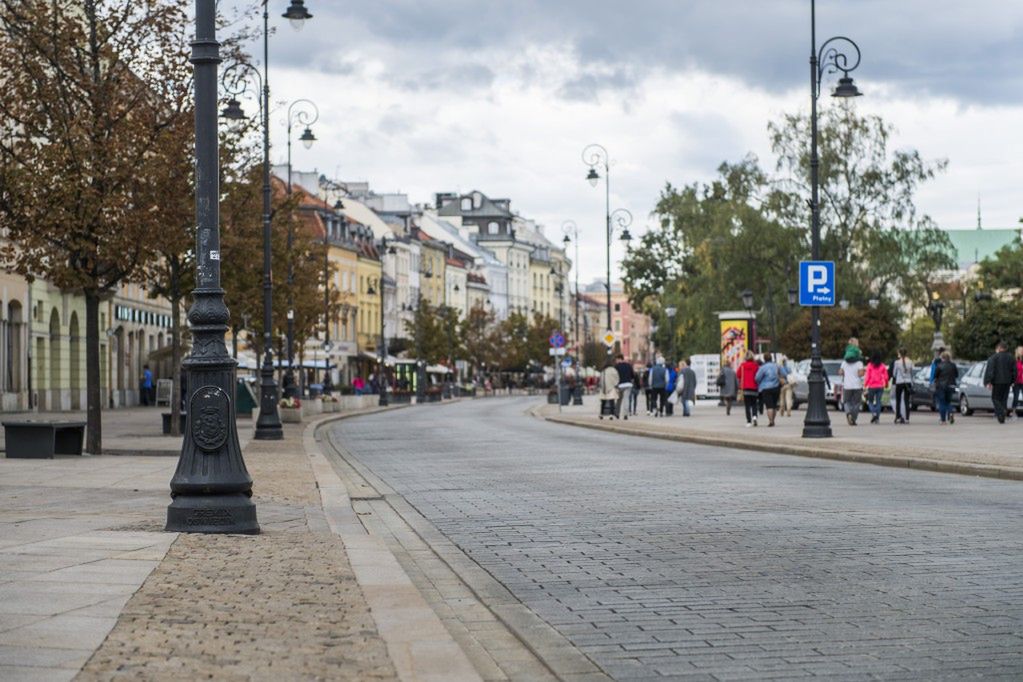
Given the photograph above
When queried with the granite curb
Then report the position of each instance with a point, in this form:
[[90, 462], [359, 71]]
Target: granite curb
[[788, 448], [419, 645]]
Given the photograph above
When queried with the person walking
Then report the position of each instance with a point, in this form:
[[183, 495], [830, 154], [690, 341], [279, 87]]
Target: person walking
[[146, 391], [669, 391], [658, 386], [788, 389], [1017, 386], [626, 378], [728, 383], [686, 387], [946, 375], [651, 402], [852, 372], [634, 393], [999, 376], [874, 380], [902, 378], [747, 376], [609, 393], [769, 377]]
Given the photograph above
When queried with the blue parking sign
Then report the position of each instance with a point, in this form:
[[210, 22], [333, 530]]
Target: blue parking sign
[[817, 283]]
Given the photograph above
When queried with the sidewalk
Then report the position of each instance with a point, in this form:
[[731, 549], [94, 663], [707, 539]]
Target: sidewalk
[[975, 445], [129, 430], [91, 586]]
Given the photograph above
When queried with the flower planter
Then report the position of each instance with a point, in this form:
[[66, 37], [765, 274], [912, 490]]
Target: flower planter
[[312, 406], [331, 406], [291, 415]]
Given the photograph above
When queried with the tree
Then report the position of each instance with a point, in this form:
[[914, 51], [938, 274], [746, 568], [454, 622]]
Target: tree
[[92, 93], [1004, 270], [427, 332], [478, 338], [984, 325], [869, 222], [876, 330]]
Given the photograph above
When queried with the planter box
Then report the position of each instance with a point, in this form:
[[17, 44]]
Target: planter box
[[312, 406], [291, 415], [331, 406]]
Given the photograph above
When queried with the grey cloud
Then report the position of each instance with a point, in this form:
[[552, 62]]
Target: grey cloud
[[466, 77], [586, 87]]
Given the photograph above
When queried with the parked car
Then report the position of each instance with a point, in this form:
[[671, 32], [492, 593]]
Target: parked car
[[973, 394], [923, 392], [832, 388]]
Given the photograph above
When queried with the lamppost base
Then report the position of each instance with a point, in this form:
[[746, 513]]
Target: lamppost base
[[268, 425], [269, 432], [383, 401], [229, 513], [817, 431]]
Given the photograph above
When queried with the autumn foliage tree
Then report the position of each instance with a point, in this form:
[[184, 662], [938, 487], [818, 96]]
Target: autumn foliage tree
[[94, 92]]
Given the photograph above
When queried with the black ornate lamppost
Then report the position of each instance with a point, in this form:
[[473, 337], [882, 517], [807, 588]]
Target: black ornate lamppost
[[571, 231], [830, 59], [211, 489], [304, 113], [596, 155], [385, 248]]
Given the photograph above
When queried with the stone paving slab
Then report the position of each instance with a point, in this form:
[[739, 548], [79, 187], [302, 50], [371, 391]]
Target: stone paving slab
[[975, 445]]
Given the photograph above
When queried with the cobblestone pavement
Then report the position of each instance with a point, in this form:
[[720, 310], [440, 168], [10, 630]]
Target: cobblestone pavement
[[281, 605], [663, 559]]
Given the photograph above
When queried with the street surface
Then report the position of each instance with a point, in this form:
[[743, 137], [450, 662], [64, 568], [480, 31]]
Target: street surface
[[659, 558]]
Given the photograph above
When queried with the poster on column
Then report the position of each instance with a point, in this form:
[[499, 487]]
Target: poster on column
[[735, 339]]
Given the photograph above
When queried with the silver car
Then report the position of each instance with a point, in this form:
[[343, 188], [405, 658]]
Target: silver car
[[973, 394], [832, 388]]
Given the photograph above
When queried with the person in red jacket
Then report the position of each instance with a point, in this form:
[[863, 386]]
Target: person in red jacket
[[748, 382]]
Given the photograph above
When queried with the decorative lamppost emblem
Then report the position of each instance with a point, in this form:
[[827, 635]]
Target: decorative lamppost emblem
[[210, 410]]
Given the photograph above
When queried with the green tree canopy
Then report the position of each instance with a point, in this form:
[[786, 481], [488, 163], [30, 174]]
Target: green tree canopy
[[984, 325]]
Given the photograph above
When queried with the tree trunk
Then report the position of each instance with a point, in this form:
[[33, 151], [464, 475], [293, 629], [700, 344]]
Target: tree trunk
[[175, 300], [94, 418]]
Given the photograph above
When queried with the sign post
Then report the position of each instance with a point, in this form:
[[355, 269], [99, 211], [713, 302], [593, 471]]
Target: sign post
[[557, 341]]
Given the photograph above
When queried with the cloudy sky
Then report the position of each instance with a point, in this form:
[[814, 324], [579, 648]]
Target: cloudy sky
[[421, 96]]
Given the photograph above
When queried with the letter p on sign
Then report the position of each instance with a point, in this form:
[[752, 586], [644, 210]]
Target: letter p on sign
[[816, 277]]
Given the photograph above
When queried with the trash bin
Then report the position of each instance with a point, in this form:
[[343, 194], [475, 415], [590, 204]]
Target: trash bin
[[566, 395], [315, 390], [577, 395]]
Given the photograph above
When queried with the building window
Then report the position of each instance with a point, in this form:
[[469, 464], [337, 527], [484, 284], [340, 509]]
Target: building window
[[466, 204], [618, 325], [493, 227], [618, 307]]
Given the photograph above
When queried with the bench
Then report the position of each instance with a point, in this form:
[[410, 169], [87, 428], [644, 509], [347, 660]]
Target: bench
[[43, 439]]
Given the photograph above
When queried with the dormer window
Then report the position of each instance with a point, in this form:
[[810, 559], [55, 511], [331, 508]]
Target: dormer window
[[466, 204], [477, 200], [493, 227]]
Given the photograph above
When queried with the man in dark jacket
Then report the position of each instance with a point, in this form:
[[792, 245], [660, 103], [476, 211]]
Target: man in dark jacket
[[687, 393], [626, 379], [659, 385], [998, 377]]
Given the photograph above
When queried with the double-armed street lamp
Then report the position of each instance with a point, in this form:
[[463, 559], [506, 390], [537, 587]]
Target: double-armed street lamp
[[595, 155], [304, 113], [830, 59], [238, 79], [211, 490]]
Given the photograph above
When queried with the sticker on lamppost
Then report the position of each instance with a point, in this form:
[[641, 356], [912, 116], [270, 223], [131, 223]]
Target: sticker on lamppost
[[816, 283], [609, 338]]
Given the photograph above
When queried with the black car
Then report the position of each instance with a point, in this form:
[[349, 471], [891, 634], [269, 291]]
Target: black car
[[923, 392]]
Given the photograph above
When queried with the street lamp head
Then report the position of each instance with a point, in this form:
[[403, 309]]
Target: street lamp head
[[296, 14], [307, 138], [793, 295], [747, 299], [339, 205], [846, 88], [593, 176], [567, 240], [233, 111], [844, 304], [626, 236], [670, 311], [874, 303]]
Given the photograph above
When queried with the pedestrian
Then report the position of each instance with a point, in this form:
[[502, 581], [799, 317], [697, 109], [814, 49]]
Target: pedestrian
[[658, 385], [874, 380], [146, 385], [747, 376], [669, 390], [999, 376], [769, 378], [358, 385], [902, 378], [634, 393], [946, 376], [852, 386], [626, 377], [686, 387], [609, 393], [1017, 386], [648, 391], [728, 382], [852, 350], [788, 389]]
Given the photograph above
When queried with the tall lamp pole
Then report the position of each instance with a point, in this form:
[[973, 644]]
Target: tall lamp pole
[[596, 155], [571, 231], [830, 59], [305, 113], [211, 489], [385, 248], [671, 311]]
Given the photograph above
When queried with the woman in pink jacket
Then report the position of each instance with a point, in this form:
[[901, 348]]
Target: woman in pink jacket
[[874, 381]]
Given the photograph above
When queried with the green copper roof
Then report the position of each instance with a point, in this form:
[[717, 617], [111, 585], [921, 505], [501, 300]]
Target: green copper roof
[[973, 246]]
